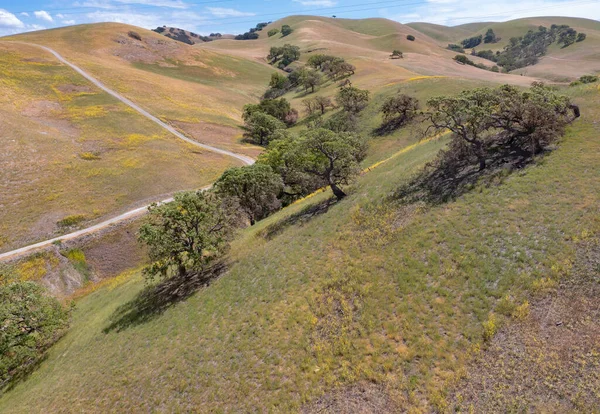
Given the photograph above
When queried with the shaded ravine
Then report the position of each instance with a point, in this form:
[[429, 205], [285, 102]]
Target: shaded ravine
[[13, 254]]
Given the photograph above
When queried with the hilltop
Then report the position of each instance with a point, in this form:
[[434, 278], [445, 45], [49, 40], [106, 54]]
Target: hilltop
[[364, 304]]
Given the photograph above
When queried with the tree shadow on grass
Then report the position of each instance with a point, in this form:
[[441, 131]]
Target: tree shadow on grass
[[302, 217], [155, 299]]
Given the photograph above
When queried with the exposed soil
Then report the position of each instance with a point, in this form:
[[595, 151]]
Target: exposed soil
[[114, 251], [550, 362], [362, 398], [69, 88], [41, 109], [217, 135]]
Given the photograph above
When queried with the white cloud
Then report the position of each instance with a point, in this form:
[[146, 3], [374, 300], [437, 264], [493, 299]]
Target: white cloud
[[175, 4], [9, 20], [223, 12], [68, 22], [454, 12], [317, 3], [43, 15], [60, 16], [32, 27], [98, 4], [24, 14], [182, 19]]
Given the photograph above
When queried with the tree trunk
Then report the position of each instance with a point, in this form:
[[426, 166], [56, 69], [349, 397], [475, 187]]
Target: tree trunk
[[337, 191], [482, 164], [181, 269]]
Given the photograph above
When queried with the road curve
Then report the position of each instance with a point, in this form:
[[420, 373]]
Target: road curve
[[13, 254]]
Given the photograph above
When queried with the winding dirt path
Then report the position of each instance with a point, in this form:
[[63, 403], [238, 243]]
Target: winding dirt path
[[13, 254]]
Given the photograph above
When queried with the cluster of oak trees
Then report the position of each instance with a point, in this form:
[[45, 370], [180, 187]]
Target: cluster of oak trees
[[487, 127]]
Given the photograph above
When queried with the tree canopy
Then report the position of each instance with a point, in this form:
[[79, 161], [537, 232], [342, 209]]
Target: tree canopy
[[186, 234], [260, 127], [31, 321], [352, 99], [255, 189]]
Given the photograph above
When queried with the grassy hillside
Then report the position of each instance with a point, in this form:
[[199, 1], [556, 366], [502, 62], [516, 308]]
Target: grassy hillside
[[560, 64], [367, 292], [73, 154], [443, 34], [198, 91]]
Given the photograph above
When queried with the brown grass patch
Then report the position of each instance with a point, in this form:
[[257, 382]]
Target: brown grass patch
[[360, 398], [550, 360]]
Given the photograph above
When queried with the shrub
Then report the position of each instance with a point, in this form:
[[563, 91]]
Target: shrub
[[71, 220], [588, 79], [396, 54], [464, 60], [272, 32], [455, 48], [286, 30], [31, 321], [472, 42], [410, 37], [581, 37], [134, 35]]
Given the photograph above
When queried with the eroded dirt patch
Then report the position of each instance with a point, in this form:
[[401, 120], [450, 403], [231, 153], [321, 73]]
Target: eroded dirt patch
[[69, 88], [550, 362], [221, 136], [362, 398]]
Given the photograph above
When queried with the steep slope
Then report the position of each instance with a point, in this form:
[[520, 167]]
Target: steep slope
[[366, 292]]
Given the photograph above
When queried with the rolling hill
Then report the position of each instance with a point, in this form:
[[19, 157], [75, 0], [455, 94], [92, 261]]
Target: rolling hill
[[361, 305], [79, 137], [559, 65]]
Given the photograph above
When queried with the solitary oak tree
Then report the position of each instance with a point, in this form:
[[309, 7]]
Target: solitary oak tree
[[186, 234]]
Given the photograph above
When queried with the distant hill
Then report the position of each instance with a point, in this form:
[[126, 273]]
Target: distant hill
[[186, 36]]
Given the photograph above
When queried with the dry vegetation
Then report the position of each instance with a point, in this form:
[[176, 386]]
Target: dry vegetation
[[486, 303], [73, 154]]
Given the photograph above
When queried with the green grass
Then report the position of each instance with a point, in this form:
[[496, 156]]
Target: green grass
[[368, 290]]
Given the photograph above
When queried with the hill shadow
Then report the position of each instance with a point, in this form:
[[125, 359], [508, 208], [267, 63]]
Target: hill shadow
[[153, 300]]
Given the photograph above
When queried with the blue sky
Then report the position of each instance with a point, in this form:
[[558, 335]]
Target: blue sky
[[236, 16]]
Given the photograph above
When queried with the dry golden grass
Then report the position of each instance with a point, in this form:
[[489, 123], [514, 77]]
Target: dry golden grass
[[70, 150], [172, 80]]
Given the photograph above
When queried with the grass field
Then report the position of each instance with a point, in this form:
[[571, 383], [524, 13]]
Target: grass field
[[199, 91], [367, 292], [559, 65], [73, 154]]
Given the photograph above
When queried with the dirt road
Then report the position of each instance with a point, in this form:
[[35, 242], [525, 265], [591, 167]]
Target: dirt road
[[13, 254]]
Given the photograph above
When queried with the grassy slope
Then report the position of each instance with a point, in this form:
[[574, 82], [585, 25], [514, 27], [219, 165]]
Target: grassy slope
[[441, 33], [560, 64], [365, 291], [71, 149], [177, 82]]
